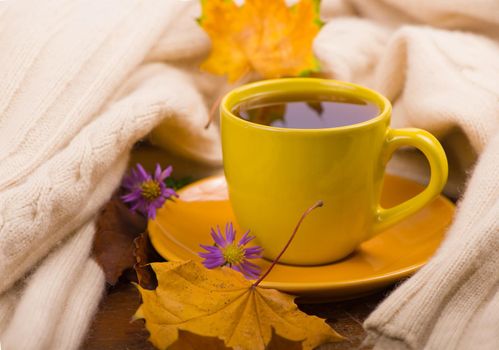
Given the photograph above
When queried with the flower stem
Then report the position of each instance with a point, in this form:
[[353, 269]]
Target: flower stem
[[276, 260]]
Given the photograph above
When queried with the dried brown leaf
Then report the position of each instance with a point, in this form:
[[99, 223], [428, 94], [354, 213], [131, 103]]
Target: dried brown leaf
[[145, 254], [113, 248]]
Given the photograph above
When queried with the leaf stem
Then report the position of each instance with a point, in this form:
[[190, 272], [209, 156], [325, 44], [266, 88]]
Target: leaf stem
[[303, 216], [214, 106], [213, 110]]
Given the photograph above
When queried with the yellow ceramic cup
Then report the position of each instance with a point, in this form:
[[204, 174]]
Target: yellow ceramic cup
[[275, 174]]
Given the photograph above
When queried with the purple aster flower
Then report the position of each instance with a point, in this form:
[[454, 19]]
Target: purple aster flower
[[146, 193], [227, 252]]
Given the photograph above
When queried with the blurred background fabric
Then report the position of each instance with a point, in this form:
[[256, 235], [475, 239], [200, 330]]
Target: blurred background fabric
[[84, 80]]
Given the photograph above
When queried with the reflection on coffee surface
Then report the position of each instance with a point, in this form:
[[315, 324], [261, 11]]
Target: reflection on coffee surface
[[306, 111]]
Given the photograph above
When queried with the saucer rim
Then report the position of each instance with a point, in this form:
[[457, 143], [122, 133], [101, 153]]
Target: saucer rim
[[303, 287], [313, 287]]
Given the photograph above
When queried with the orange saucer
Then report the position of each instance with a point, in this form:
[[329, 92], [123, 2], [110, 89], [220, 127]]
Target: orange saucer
[[396, 253]]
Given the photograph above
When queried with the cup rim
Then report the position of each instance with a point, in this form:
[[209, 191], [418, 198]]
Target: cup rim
[[232, 98]]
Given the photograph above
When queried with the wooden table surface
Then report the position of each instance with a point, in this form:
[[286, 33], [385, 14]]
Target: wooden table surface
[[112, 329]]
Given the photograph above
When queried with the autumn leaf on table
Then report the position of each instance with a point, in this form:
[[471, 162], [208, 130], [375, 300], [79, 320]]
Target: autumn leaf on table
[[222, 303], [117, 227], [268, 37]]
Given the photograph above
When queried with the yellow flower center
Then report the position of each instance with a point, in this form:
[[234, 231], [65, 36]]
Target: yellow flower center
[[150, 190], [233, 254]]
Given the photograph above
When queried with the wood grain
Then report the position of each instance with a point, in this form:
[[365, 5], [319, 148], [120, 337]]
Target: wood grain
[[112, 328]]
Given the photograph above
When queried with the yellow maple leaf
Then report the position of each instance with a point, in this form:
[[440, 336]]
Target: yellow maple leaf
[[261, 35], [221, 303]]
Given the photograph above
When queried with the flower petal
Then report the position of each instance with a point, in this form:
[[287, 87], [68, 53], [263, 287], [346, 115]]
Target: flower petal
[[250, 265], [210, 248], [212, 256], [166, 173], [157, 172], [143, 173], [230, 233], [255, 249], [169, 192], [158, 202], [223, 240], [218, 239], [151, 212], [217, 257], [237, 268], [246, 238], [132, 196], [250, 269], [211, 264], [253, 253]]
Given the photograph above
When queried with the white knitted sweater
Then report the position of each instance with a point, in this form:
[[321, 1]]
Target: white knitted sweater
[[445, 79], [82, 80]]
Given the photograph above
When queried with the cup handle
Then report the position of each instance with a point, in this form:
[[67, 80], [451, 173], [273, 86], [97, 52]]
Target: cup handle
[[435, 154]]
